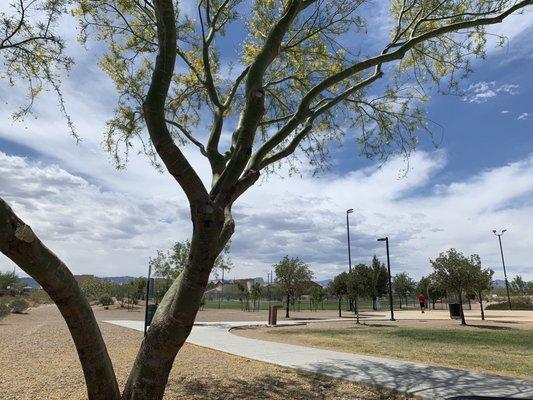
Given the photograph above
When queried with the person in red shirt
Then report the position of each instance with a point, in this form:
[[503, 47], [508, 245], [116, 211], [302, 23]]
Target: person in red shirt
[[422, 300]]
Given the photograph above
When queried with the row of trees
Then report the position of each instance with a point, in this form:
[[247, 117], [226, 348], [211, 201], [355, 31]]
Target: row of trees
[[453, 275]]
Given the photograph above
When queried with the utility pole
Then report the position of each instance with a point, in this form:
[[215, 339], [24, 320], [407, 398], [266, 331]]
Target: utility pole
[[348, 212], [503, 263], [386, 240]]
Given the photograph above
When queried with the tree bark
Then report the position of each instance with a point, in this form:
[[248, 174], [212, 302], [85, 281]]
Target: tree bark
[[21, 245], [288, 305], [340, 307], [176, 313], [481, 306], [463, 321]]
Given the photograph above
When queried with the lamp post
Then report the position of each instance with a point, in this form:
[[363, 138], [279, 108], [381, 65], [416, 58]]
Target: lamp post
[[386, 240], [503, 263], [348, 212]]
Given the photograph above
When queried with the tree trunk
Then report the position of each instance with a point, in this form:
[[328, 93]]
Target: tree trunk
[[21, 245], [177, 311], [469, 304], [400, 297], [356, 304], [463, 321], [374, 306], [288, 305], [340, 307], [481, 306]]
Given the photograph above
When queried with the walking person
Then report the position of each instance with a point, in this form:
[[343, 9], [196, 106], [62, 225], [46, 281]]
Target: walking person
[[422, 301]]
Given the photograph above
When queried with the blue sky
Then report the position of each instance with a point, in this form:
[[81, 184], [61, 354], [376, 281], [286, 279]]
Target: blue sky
[[479, 178]]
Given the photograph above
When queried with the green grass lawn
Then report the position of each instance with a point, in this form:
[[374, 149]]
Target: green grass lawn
[[507, 352]]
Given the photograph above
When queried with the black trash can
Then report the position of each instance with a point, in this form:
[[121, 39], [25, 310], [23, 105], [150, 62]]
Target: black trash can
[[150, 314], [455, 310]]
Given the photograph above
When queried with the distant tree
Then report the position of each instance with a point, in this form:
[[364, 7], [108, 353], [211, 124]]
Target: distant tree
[[518, 285], [454, 272], [255, 295], [378, 280], [93, 287], [243, 296], [9, 280], [291, 275], [358, 285], [171, 263], [339, 288], [429, 287], [106, 300], [403, 285], [317, 295], [482, 281]]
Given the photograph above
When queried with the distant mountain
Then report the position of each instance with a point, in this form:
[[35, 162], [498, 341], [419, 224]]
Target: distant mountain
[[325, 282], [498, 283], [30, 282], [119, 280]]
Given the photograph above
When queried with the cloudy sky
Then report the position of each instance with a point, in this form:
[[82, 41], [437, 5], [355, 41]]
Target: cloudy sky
[[108, 223]]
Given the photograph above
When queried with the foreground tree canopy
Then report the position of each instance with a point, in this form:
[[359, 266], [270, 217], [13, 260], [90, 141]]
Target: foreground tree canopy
[[302, 73]]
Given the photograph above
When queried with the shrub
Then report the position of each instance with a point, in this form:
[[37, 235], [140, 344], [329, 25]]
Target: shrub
[[521, 303], [106, 300], [38, 297], [18, 306], [4, 310]]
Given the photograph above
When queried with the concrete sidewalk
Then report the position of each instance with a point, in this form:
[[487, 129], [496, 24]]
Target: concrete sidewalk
[[424, 381]]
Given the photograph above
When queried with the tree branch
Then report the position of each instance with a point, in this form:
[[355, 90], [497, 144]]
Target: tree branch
[[154, 106], [23, 247]]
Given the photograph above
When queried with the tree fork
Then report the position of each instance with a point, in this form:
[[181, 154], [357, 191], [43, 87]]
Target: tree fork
[[23, 247]]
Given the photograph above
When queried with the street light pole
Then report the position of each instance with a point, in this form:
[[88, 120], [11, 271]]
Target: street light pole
[[386, 240], [348, 212], [503, 263]]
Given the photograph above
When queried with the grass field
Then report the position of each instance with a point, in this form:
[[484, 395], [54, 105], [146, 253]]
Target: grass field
[[332, 304], [506, 352]]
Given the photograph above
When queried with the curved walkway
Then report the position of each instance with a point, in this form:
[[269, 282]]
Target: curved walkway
[[421, 380]]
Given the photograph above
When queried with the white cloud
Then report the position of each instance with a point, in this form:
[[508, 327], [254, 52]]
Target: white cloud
[[483, 91], [523, 116], [115, 232], [505, 111]]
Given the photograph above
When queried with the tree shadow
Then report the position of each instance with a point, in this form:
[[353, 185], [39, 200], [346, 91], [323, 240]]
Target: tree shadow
[[491, 327], [297, 385]]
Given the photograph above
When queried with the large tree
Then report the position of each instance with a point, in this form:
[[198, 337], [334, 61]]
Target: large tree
[[456, 274], [482, 280], [292, 274], [298, 79]]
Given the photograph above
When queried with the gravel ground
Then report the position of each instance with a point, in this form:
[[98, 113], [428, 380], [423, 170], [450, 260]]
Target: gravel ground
[[38, 361]]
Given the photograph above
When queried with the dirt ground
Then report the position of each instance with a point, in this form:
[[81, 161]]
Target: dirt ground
[[38, 361]]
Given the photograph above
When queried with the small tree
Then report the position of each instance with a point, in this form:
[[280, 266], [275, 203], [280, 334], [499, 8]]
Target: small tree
[[403, 285], [358, 285], [482, 281], [339, 289], [170, 264], [518, 285], [255, 295], [316, 294], [454, 272], [378, 280], [106, 300], [9, 280], [291, 275]]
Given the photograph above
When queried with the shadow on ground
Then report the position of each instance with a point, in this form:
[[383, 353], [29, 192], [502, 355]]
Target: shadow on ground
[[299, 386]]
